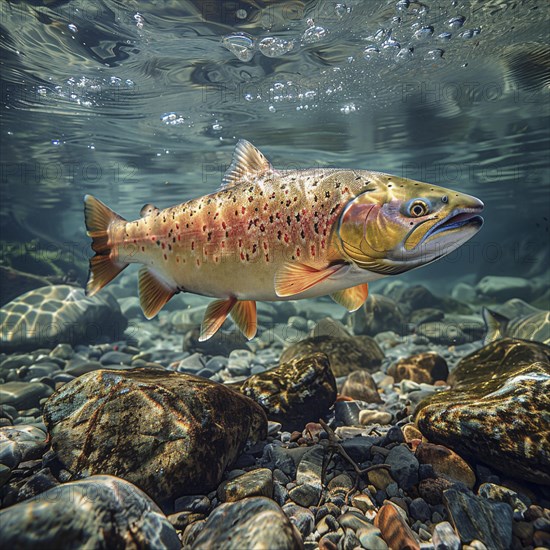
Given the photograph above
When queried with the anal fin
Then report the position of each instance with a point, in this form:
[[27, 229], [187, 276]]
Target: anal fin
[[153, 293], [214, 316], [244, 315], [294, 278], [352, 298]]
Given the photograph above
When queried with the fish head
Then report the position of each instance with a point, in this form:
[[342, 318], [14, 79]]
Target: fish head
[[397, 224]]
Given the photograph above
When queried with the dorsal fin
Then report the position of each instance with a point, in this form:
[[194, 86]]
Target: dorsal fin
[[148, 209], [247, 161]]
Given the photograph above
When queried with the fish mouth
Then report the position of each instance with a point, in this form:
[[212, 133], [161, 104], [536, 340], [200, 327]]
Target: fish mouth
[[465, 218]]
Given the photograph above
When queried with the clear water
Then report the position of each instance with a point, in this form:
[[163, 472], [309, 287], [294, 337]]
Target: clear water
[[140, 102]]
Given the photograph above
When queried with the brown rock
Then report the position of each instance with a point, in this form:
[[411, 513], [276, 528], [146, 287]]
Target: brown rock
[[431, 489], [345, 354], [446, 462], [360, 385], [395, 531], [422, 367], [169, 433], [298, 391]]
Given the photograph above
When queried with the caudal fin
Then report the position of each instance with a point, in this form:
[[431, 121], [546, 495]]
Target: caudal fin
[[103, 269]]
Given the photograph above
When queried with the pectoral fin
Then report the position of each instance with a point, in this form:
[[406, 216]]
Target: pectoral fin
[[495, 324], [153, 293], [351, 298], [216, 313], [294, 278], [244, 315]]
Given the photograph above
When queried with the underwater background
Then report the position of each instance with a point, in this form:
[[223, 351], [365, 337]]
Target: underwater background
[[143, 102]]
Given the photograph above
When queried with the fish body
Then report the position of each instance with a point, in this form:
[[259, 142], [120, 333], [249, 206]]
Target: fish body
[[278, 235], [534, 326]]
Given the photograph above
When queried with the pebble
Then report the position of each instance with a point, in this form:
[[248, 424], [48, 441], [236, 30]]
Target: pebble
[[404, 466], [366, 418], [308, 478], [23, 395], [301, 517], [255, 483], [257, 522]]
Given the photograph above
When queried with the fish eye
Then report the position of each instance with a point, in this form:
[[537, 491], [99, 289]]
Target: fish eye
[[418, 208], [445, 199]]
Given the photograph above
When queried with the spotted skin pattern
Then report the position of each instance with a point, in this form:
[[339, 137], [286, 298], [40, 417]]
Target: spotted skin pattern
[[208, 242]]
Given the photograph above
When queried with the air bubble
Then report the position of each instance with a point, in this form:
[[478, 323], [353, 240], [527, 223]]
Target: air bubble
[[434, 54], [314, 34], [469, 33], [444, 36], [348, 108], [391, 44], [72, 27], [241, 14], [341, 10], [456, 22], [424, 33], [370, 51], [406, 54], [275, 47], [241, 45]]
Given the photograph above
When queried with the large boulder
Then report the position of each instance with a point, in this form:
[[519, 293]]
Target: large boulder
[[56, 314], [166, 432], [95, 513], [497, 409]]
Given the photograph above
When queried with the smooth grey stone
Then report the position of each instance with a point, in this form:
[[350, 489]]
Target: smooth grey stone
[[347, 413], [278, 457], [30, 441], [419, 510], [308, 477], [358, 448], [479, 518], [116, 358], [10, 454], [217, 363], [16, 361], [192, 503], [404, 466], [255, 522], [445, 538], [39, 482], [62, 351], [193, 363], [23, 395], [301, 517], [103, 511]]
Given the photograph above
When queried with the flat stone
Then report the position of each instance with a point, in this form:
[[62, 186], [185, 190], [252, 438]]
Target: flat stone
[[444, 537], [104, 511], [496, 411], [359, 447], [394, 529], [30, 440], [298, 391], [360, 385], [366, 418], [480, 519], [503, 288], [169, 433], [255, 522], [23, 395], [116, 358], [308, 477], [251, 484]]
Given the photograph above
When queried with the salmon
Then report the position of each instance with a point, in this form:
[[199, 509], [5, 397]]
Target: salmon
[[272, 235]]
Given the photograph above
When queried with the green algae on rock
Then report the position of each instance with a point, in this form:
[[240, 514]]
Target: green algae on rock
[[296, 392], [345, 354], [169, 433], [497, 409]]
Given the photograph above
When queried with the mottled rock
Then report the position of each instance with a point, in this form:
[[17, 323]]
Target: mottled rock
[[446, 462], [29, 440], [298, 391], [495, 411], [422, 367], [55, 314], [360, 385], [103, 511], [366, 418], [251, 484], [345, 354], [168, 433], [504, 494], [23, 395], [255, 522], [480, 519]]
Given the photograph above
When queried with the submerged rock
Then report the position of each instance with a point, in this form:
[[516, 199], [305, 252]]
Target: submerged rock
[[497, 410], [255, 522], [168, 433], [345, 354], [504, 288], [294, 393], [422, 367], [379, 314], [100, 512], [55, 314]]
